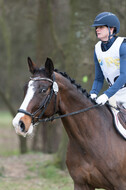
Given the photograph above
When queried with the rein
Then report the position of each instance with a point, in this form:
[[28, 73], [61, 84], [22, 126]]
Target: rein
[[75, 112], [69, 114]]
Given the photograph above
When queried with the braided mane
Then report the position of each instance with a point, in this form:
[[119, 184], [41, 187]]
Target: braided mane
[[64, 74]]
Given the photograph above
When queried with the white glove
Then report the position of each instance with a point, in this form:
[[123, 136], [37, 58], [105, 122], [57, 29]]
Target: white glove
[[93, 96], [102, 99]]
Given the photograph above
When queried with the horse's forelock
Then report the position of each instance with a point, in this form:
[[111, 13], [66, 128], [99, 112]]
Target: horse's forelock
[[42, 73]]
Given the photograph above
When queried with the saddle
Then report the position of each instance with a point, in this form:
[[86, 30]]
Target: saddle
[[119, 116]]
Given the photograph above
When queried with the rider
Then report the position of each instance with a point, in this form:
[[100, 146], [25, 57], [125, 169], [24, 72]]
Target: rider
[[109, 59]]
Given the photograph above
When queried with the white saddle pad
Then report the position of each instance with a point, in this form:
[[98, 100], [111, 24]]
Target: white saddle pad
[[118, 125]]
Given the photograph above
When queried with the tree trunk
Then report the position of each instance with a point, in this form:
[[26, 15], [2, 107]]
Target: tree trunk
[[60, 159], [46, 42]]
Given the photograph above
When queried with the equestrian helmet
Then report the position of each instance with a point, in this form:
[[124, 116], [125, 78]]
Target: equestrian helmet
[[107, 19]]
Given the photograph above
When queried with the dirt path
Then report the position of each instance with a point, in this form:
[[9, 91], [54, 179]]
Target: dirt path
[[18, 166]]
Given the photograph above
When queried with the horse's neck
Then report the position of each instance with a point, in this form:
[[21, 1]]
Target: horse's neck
[[72, 99], [86, 126]]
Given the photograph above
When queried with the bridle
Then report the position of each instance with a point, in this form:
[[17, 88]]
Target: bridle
[[54, 90], [44, 105]]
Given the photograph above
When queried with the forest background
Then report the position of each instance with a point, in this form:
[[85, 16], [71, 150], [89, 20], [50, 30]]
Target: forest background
[[61, 30]]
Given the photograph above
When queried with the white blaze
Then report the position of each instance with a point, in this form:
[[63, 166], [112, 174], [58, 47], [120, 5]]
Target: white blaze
[[24, 105]]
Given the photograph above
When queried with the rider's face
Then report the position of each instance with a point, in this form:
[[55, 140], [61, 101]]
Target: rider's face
[[103, 32]]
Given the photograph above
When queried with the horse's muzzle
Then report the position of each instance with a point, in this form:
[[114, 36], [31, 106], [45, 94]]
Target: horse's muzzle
[[22, 125]]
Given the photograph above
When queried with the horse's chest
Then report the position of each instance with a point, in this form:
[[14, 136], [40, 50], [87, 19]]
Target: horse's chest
[[79, 165], [83, 170]]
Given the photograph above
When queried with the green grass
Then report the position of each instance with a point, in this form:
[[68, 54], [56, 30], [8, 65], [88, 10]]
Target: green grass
[[7, 153], [48, 171], [32, 185], [5, 118], [8, 138]]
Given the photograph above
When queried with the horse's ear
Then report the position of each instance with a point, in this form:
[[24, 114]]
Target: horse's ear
[[32, 66], [49, 67]]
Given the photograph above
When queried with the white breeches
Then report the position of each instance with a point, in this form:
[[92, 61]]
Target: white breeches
[[120, 97]]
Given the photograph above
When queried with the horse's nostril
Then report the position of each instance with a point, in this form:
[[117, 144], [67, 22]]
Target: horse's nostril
[[22, 126]]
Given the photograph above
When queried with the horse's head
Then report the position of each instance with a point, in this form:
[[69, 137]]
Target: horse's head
[[39, 92]]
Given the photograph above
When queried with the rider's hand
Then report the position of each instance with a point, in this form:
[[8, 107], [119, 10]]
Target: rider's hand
[[93, 96], [102, 99]]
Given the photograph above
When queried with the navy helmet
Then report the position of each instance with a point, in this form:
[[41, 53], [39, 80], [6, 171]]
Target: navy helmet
[[107, 19]]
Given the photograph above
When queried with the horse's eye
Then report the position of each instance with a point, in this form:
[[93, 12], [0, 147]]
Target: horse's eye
[[42, 90]]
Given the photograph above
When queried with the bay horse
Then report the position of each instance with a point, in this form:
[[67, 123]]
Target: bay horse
[[96, 154]]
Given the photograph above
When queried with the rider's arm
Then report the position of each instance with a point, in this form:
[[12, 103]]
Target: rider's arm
[[121, 80], [99, 78]]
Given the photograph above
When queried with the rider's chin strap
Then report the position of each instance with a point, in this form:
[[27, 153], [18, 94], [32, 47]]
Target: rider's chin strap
[[110, 35]]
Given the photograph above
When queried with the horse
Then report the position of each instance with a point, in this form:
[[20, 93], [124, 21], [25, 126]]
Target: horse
[[96, 153]]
